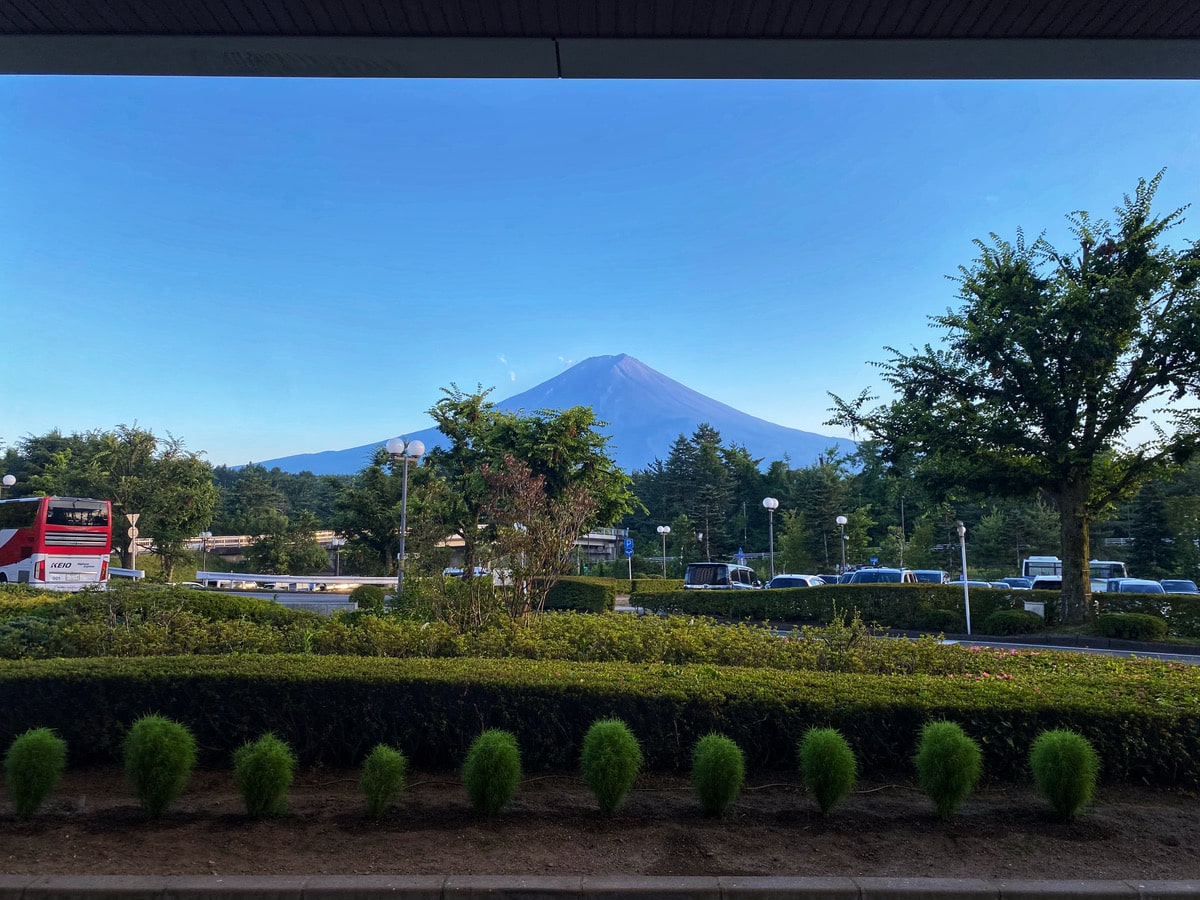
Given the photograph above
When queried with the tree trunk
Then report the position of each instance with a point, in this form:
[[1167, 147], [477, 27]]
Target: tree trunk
[[1076, 607]]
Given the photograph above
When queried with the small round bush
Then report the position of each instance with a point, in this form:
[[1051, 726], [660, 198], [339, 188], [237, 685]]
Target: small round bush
[[944, 621], [718, 769], [383, 778], [492, 771], [1012, 621], [368, 597], [159, 757], [610, 762], [1064, 767], [828, 766], [32, 767], [262, 771], [1132, 626], [949, 764]]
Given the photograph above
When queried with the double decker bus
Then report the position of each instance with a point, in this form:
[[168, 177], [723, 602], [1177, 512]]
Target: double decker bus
[[56, 543]]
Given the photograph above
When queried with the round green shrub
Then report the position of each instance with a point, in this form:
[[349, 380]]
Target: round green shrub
[[1131, 626], [718, 768], [492, 771], [949, 764], [368, 596], [942, 621], [828, 766], [610, 762], [159, 757], [384, 777], [1012, 621], [1065, 767], [262, 772], [32, 767]]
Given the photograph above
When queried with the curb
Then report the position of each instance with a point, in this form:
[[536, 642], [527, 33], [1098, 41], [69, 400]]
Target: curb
[[600, 887]]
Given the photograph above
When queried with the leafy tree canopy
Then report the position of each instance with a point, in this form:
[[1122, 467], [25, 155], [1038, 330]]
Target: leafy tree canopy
[[1050, 361]]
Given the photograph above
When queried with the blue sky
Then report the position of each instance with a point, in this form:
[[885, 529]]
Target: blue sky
[[265, 267]]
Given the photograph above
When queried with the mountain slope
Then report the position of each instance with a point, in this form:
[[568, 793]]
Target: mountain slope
[[645, 410]]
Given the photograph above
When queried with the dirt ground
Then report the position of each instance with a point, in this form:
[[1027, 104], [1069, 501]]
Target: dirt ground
[[92, 825]]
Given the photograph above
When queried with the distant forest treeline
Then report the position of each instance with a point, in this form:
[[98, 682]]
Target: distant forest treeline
[[708, 492]]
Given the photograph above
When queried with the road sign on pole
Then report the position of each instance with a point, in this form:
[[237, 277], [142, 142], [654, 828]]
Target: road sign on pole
[[629, 546], [132, 531]]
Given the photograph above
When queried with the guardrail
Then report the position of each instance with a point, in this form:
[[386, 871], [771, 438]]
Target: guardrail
[[259, 581]]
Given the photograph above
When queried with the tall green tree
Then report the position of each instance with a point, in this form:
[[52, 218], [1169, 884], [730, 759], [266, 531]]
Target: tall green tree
[[168, 486], [1050, 361]]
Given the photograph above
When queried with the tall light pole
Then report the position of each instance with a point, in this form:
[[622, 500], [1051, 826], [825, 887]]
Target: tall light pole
[[404, 452], [663, 531], [841, 521], [771, 504], [962, 543], [337, 544], [204, 537], [8, 481]]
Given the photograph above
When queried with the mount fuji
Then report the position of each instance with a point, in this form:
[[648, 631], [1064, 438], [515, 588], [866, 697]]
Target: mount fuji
[[645, 411]]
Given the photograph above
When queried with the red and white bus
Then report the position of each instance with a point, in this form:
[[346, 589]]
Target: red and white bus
[[56, 543]]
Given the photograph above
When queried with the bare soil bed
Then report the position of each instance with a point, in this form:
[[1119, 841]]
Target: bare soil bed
[[93, 825]]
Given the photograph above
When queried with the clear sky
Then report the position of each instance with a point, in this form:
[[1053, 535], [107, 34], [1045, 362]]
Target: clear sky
[[264, 267]]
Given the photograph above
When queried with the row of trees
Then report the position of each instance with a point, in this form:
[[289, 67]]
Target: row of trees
[[1019, 422]]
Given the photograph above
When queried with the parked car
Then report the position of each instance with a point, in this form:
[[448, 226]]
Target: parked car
[[931, 576], [1179, 586], [830, 579], [1020, 584], [718, 575], [1047, 583], [1134, 586], [794, 581], [881, 575], [974, 584]]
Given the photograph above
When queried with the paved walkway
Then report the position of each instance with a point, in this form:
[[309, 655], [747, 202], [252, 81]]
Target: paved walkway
[[604, 887]]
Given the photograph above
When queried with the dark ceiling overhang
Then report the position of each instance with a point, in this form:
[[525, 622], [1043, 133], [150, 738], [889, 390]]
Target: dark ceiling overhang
[[604, 38]]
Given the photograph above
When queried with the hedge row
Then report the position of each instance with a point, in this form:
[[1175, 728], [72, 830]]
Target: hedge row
[[903, 606], [583, 594], [333, 710]]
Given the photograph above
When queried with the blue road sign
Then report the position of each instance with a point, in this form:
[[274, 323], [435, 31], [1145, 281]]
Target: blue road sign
[[874, 560], [629, 546]]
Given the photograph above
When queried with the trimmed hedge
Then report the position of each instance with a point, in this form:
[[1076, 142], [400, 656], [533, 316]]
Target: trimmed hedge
[[1132, 626], [887, 605], [582, 594], [652, 585], [1012, 621], [1143, 720]]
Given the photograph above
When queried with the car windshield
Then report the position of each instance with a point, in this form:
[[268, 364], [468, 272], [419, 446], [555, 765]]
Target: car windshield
[[1189, 586], [1141, 588], [929, 577], [780, 581]]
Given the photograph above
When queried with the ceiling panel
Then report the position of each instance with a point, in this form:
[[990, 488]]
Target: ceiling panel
[[139, 27]]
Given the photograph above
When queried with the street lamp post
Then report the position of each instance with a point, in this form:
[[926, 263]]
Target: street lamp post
[[771, 504], [841, 521], [663, 531], [337, 544], [962, 543], [404, 452], [204, 538], [7, 482]]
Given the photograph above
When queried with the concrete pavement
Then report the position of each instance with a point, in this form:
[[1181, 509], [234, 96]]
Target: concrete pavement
[[599, 887]]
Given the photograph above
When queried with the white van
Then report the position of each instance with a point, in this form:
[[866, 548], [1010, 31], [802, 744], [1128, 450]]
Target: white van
[[719, 576]]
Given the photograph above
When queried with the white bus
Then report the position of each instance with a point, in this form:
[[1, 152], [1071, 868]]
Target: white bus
[[1100, 570]]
